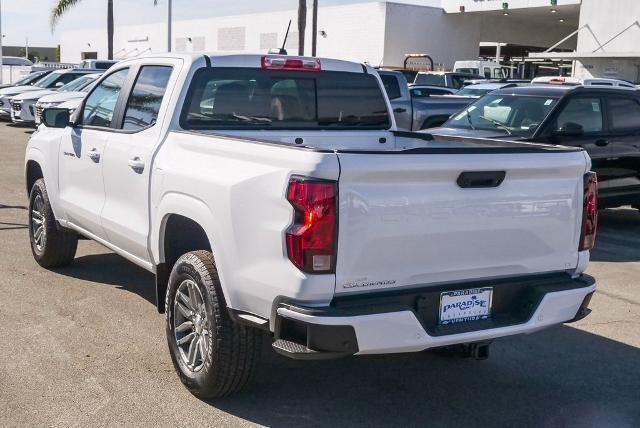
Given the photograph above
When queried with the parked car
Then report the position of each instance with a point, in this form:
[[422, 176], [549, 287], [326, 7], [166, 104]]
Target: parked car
[[417, 113], [16, 60], [29, 79], [605, 122], [424, 91], [273, 196], [481, 89], [97, 64], [444, 78], [55, 79], [574, 81], [30, 102]]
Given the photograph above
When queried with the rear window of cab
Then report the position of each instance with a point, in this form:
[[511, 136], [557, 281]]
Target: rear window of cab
[[250, 98]]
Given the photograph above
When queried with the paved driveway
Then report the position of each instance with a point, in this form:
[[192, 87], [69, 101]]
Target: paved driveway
[[85, 346]]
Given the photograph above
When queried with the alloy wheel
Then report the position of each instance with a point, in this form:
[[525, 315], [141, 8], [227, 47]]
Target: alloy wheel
[[191, 327], [38, 229]]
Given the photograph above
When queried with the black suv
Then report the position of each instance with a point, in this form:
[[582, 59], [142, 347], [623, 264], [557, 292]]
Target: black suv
[[605, 121]]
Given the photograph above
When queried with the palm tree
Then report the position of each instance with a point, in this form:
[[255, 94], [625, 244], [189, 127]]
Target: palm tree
[[62, 6], [302, 24]]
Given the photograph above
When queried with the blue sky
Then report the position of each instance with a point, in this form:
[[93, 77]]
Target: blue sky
[[30, 18]]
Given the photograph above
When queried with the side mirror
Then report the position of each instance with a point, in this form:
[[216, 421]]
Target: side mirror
[[59, 85], [55, 117], [569, 129]]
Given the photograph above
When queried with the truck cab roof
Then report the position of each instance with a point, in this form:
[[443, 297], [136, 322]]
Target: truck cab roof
[[237, 60]]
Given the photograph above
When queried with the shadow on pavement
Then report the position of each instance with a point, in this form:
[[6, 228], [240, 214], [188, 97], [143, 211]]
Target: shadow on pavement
[[618, 237], [563, 377], [12, 226], [113, 270]]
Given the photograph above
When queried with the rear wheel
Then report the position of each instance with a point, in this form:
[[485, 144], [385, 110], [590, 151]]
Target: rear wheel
[[51, 246], [213, 356]]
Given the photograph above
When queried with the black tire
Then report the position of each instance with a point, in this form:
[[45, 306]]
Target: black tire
[[54, 247], [232, 350]]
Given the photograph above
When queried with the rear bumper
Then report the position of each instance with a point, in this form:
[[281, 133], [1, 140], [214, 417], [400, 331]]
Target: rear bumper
[[404, 322]]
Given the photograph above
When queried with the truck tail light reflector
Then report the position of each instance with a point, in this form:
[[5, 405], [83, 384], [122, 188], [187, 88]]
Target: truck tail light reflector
[[290, 63], [311, 239], [590, 212]]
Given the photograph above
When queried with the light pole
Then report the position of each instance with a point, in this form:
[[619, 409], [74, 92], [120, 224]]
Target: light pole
[[169, 19]]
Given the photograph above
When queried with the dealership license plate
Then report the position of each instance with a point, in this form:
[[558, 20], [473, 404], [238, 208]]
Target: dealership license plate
[[465, 305]]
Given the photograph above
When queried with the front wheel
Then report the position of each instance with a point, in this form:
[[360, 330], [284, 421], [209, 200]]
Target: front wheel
[[213, 356], [51, 246]]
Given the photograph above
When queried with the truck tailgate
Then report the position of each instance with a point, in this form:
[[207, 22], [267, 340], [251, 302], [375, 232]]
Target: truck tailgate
[[404, 220]]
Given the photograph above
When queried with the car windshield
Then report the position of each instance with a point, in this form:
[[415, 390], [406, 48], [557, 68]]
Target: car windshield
[[78, 84], [511, 114], [46, 82], [243, 98], [33, 77], [430, 79], [474, 92]]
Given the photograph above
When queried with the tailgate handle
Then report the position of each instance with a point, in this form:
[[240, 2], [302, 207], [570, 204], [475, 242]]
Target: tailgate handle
[[481, 179]]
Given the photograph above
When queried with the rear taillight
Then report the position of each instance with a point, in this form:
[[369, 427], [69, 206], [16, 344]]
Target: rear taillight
[[590, 212], [311, 239], [291, 63]]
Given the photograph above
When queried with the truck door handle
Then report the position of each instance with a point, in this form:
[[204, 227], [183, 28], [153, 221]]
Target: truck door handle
[[94, 155], [602, 143], [400, 110], [137, 165]]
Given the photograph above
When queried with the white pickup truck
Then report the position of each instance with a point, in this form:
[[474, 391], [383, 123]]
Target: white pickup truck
[[272, 195]]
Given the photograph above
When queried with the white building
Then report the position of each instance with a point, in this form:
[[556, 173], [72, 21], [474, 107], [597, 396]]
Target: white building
[[382, 32]]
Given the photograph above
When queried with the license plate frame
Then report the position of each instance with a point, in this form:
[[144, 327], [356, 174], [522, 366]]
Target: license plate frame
[[467, 305]]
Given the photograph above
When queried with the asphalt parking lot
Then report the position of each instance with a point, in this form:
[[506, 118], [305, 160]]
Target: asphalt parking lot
[[85, 346]]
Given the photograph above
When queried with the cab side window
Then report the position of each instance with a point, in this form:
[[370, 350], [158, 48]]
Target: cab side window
[[586, 112], [144, 102], [391, 85], [624, 114], [101, 102]]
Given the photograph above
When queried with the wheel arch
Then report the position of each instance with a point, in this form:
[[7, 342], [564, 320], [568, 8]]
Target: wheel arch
[[33, 172], [184, 224]]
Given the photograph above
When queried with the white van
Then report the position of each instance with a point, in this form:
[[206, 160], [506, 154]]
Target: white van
[[488, 69]]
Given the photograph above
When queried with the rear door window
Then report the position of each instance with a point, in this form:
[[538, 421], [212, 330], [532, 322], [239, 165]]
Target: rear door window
[[248, 98], [624, 114], [144, 102], [586, 112]]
